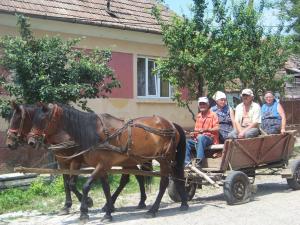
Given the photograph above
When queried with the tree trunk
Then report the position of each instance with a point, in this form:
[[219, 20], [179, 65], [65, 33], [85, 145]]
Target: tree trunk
[[251, 3]]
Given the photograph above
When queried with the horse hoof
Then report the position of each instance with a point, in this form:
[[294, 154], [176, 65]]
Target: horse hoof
[[90, 202], [64, 211], [141, 206], [104, 208], [106, 218], [184, 207], [84, 217], [150, 214]]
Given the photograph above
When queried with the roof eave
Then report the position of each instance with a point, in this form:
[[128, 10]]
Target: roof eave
[[75, 20]]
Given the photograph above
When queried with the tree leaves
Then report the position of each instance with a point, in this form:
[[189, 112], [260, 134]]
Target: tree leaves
[[51, 69]]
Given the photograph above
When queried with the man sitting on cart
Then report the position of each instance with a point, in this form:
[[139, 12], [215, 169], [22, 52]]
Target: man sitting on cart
[[247, 117], [205, 132]]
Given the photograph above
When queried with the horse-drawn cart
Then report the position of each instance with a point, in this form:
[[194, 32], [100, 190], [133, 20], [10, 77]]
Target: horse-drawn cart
[[235, 167], [238, 163]]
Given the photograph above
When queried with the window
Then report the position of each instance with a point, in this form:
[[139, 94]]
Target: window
[[149, 85]]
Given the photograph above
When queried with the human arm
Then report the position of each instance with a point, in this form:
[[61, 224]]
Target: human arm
[[231, 113], [283, 117]]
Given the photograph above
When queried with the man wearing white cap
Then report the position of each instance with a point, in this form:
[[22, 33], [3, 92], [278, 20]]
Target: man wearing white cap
[[247, 117], [205, 132], [225, 115]]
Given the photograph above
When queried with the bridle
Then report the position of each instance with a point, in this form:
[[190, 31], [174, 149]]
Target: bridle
[[18, 132], [54, 116]]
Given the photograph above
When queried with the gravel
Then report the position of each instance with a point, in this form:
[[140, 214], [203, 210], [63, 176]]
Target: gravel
[[273, 203]]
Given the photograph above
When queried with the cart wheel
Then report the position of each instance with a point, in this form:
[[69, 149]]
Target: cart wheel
[[174, 195], [237, 188], [294, 182]]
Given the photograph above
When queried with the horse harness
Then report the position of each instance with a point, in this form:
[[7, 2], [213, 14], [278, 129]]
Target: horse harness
[[18, 131], [105, 145]]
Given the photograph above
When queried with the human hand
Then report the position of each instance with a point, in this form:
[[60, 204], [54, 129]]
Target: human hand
[[241, 135], [282, 131]]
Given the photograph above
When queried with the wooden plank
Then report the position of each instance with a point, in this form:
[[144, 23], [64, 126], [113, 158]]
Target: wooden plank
[[85, 171]]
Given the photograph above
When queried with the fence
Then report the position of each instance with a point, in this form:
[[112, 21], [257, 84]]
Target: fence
[[292, 111]]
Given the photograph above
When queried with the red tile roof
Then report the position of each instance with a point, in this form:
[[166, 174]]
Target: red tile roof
[[123, 14]]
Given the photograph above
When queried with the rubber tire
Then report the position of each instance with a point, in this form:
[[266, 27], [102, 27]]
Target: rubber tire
[[237, 181], [174, 195], [294, 182]]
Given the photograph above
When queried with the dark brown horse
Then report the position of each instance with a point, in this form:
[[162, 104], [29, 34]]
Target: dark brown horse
[[20, 126], [109, 142]]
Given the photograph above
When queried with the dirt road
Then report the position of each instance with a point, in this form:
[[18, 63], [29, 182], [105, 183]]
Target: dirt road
[[274, 203]]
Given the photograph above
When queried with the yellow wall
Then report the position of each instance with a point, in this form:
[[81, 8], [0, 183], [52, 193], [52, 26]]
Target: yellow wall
[[137, 43]]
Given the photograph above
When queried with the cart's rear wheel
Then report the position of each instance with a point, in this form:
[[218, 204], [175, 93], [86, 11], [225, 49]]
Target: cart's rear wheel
[[294, 182], [237, 188], [190, 189]]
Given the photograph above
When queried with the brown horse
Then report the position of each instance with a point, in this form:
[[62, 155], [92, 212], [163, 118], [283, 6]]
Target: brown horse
[[20, 126], [109, 142]]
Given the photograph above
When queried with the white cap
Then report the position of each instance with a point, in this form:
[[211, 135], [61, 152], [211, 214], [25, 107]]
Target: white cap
[[247, 92], [219, 95], [203, 99]]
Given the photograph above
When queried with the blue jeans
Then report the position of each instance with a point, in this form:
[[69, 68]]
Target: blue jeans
[[202, 143]]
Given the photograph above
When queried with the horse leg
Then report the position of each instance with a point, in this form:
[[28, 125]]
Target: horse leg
[[141, 181], [164, 182], [68, 199], [123, 181], [84, 206], [75, 165], [72, 184], [165, 169], [179, 185], [106, 189]]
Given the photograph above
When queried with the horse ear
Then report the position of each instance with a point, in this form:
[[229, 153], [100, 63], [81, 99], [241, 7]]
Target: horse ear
[[43, 106], [15, 106]]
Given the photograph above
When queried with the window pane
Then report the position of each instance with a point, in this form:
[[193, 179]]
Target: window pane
[[164, 88], [141, 76], [151, 79]]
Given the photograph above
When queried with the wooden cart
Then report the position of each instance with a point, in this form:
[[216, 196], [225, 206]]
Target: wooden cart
[[237, 165]]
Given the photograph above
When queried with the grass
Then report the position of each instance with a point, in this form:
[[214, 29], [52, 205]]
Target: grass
[[48, 197], [296, 151]]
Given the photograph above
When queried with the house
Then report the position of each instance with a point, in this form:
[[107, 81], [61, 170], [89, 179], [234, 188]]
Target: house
[[124, 26], [292, 68], [128, 29]]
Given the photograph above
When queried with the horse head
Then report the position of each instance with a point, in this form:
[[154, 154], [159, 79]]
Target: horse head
[[45, 123], [20, 125]]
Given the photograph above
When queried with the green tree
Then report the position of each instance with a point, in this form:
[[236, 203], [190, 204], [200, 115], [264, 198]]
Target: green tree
[[229, 50], [290, 10], [50, 69]]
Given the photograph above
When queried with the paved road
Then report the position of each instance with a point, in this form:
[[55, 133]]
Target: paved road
[[273, 204]]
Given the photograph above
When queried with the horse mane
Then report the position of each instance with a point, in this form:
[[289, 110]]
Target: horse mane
[[82, 126]]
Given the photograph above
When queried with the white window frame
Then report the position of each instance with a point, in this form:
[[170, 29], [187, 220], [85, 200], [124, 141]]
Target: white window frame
[[157, 81]]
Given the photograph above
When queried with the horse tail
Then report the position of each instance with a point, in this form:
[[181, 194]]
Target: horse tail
[[148, 166], [180, 153], [178, 168]]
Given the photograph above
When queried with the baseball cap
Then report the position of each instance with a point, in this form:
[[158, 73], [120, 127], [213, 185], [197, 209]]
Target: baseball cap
[[219, 95], [203, 99], [247, 92]]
